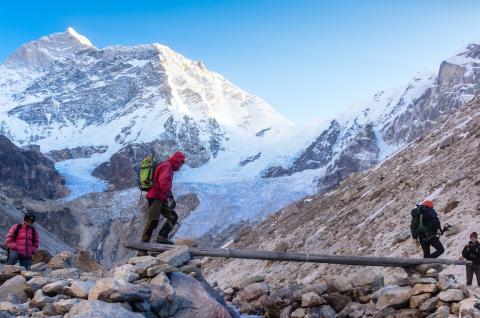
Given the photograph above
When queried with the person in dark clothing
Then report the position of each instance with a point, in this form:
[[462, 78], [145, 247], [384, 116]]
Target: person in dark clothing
[[471, 252], [425, 228], [161, 200]]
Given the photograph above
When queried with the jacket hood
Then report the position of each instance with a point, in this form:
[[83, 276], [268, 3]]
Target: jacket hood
[[177, 160]]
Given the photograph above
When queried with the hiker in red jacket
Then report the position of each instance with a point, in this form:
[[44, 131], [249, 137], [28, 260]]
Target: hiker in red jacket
[[161, 200], [22, 242]]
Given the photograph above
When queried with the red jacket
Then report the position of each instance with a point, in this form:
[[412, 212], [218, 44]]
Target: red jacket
[[23, 244], [163, 177]]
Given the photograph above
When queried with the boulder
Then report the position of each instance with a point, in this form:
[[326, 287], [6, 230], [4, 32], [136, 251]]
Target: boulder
[[286, 312], [64, 306], [163, 300], [298, 313], [140, 259], [441, 312], [125, 272], [321, 312], [415, 280], [29, 275], [350, 308], [13, 269], [41, 256], [254, 291], [337, 283], [423, 288], [162, 268], [40, 299], [311, 299], [11, 309], [37, 283], [160, 280], [393, 296], [84, 261], [129, 293], [319, 288], [49, 310], [104, 285], [447, 282], [100, 309], [368, 278], [65, 273], [14, 288], [466, 306], [249, 280], [429, 304], [196, 299], [451, 295], [424, 268], [61, 261], [39, 267], [142, 268], [175, 257], [80, 289], [337, 301], [417, 300], [55, 288]]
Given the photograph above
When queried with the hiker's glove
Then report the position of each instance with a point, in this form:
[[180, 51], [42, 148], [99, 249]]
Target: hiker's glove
[[171, 203]]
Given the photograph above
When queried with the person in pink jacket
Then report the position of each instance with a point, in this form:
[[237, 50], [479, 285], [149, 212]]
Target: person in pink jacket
[[22, 242]]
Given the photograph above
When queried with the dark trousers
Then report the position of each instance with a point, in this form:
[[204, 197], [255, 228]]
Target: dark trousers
[[14, 257], [473, 268], [431, 241], [155, 209]]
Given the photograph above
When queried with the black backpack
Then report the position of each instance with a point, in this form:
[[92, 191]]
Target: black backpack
[[417, 225]]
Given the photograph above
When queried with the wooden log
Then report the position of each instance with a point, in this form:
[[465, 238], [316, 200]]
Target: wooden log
[[300, 257]]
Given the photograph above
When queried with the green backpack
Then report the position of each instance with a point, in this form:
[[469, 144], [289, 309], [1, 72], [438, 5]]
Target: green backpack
[[147, 171], [417, 226]]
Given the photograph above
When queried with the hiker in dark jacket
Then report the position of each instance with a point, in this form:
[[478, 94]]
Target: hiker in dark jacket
[[471, 252], [161, 200], [425, 228], [22, 242]]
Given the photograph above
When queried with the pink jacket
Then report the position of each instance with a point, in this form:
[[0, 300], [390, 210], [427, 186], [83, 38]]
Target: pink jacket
[[23, 243]]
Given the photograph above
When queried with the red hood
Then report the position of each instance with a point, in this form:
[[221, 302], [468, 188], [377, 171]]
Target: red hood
[[177, 160]]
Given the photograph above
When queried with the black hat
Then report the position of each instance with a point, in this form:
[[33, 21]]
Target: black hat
[[30, 216], [473, 234]]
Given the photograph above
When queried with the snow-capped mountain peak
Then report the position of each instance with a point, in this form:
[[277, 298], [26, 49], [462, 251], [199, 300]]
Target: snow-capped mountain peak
[[39, 54]]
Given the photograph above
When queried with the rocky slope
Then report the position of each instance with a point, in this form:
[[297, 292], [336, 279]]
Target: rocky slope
[[389, 120], [73, 285], [369, 213], [27, 173]]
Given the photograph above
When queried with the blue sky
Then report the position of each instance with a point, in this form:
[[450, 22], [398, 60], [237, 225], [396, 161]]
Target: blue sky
[[308, 59]]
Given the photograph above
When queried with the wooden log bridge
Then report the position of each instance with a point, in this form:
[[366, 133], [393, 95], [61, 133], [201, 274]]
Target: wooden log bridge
[[300, 257]]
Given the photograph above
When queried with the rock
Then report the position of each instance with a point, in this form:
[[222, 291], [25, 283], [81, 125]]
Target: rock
[[7, 307], [286, 312], [253, 291], [423, 288], [104, 285], [125, 272], [186, 241], [196, 299], [162, 268], [65, 273], [60, 261], [393, 296], [40, 299], [405, 313], [321, 312], [417, 300], [141, 268], [49, 310], [447, 282], [467, 305], [338, 301], [13, 269], [350, 308], [368, 278], [57, 287], [129, 293], [80, 289], [319, 288], [298, 313], [249, 280], [337, 283], [64, 306], [37, 283], [160, 279], [311, 299], [229, 291], [415, 280], [85, 262], [442, 312], [432, 272], [451, 295], [29, 275], [100, 309], [39, 267], [401, 237], [429, 305], [140, 259], [273, 304], [175, 257], [424, 268], [163, 300], [14, 287], [41, 256], [455, 308]]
